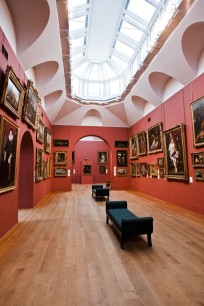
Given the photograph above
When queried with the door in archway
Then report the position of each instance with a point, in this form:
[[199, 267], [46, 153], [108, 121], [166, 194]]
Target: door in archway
[[26, 172]]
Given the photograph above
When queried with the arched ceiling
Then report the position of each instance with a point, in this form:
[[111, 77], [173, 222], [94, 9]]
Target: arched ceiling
[[42, 45]]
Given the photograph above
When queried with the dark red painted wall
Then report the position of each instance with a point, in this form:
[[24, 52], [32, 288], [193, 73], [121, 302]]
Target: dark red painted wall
[[9, 201]]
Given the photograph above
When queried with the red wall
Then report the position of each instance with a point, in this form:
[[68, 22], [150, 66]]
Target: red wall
[[174, 111], [9, 201]]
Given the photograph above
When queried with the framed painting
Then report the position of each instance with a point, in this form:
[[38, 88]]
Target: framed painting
[[49, 167], [60, 172], [154, 138], [161, 172], [121, 171], [47, 140], [133, 169], [45, 169], [40, 132], [153, 170], [102, 169], [133, 147], [60, 158], [143, 169], [31, 106], [121, 144], [138, 169], [142, 143], [197, 159], [199, 174], [73, 157], [8, 153], [13, 94], [61, 142], [160, 162], [121, 158], [197, 114], [175, 159], [102, 157], [87, 169], [39, 169]]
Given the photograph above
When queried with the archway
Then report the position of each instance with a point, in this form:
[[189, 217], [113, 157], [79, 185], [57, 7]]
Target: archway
[[26, 172], [88, 151]]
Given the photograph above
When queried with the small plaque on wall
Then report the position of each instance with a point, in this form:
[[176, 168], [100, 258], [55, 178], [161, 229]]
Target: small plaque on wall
[[61, 142]]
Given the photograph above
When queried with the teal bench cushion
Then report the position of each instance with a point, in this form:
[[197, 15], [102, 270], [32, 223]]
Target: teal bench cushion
[[120, 213]]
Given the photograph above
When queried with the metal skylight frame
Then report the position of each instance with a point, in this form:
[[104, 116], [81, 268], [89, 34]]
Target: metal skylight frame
[[137, 33]]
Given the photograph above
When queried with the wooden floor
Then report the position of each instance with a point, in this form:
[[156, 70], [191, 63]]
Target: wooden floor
[[62, 253]]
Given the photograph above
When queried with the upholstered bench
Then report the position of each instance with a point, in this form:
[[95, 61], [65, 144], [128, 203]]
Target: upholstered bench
[[98, 191], [127, 223]]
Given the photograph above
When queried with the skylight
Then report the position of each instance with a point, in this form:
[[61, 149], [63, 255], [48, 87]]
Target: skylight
[[109, 40]]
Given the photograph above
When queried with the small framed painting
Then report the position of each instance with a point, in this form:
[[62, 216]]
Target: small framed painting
[[102, 157], [154, 138], [197, 159], [60, 172], [47, 140], [87, 169], [60, 158], [121, 171], [197, 111]]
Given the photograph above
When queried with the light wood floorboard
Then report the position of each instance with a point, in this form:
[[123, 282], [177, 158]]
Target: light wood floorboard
[[62, 253]]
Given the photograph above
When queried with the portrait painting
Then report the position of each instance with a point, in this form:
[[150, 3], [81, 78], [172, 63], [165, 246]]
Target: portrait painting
[[197, 114], [142, 143], [175, 159], [154, 138], [87, 169], [133, 147], [199, 174], [121, 158], [31, 106], [39, 168], [137, 165], [160, 162], [133, 169], [40, 132], [12, 98], [44, 169], [153, 170], [102, 157], [8, 154], [49, 167], [47, 140], [143, 169], [102, 169], [60, 158]]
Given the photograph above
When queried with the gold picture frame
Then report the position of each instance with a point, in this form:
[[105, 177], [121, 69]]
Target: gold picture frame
[[142, 143], [8, 154], [102, 157], [175, 155], [31, 106], [133, 147], [62, 172], [87, 169], [121, 171], [40, 132], [132, 169], [12, 98], [197, 111], [154, 139], [60, 158], [39, 170], [197, 159], [47, 140]]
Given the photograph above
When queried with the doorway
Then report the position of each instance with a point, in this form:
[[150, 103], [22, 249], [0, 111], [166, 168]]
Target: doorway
[[26, 172]]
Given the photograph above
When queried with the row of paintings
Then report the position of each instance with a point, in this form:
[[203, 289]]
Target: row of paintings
[[20, 102], [43, 136], [43, 166]]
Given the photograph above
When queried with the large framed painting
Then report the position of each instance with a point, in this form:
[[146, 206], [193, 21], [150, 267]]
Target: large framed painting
[[12, 98], [102, 157], [32, 106], [39, 168], [60, 158], [47, 140], [40, 132], [175, 159], [197, 114], [154, 138], [142, 143], [121, 158], [8, 153], [133, 147]]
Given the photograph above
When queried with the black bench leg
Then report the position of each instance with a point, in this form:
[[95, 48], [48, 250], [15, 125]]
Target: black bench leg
[[107, 219], [149, 240], [122, 242]]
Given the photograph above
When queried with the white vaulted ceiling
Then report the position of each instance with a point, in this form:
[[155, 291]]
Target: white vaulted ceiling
[[41, 40]]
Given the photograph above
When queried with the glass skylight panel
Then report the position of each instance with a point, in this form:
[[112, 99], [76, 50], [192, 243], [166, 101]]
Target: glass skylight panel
[[77, 23], [124, 48], [119, 62], [77, 42], [131, 31], [142, 8]]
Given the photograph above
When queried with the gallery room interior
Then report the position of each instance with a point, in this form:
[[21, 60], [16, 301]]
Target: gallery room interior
[[101, 93]]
